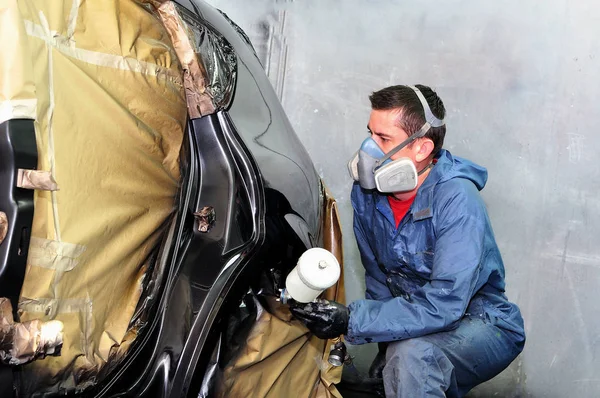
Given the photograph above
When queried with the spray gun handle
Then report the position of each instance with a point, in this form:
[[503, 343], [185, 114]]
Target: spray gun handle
[[338, 354]]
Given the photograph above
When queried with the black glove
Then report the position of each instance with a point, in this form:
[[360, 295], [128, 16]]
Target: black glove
[[326, 319], [376, 369]]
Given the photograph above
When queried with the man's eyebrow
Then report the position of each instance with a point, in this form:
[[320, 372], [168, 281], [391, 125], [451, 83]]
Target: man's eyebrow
[[378, 133]]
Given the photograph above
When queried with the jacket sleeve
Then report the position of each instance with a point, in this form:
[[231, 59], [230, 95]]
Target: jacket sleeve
[[460, 228], [375, 288]]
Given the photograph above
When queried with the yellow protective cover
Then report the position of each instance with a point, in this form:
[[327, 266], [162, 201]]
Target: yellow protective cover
[[281, 357], [104, 85]]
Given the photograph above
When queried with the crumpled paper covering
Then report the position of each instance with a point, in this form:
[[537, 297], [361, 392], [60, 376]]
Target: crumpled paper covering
[[208, 60], [22, 342], [194, 74], [216, 56], [3, 226], [105, 88], [281, 357]]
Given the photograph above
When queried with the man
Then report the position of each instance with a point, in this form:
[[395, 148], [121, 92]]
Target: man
[[434, 275]]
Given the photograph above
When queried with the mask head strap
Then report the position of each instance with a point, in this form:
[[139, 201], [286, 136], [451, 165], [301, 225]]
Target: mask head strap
[[429, 116], [430, 121]]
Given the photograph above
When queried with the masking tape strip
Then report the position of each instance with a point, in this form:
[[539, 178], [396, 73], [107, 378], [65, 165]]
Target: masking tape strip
[[18, 109], [73, 21], [51, 307], [52, 254], [49, 33], [36, 179], [61, 44]]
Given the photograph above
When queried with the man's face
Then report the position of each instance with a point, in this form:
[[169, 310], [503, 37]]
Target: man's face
[[386, 133]]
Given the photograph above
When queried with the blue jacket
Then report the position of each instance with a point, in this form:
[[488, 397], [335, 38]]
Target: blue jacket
[[441, 263]]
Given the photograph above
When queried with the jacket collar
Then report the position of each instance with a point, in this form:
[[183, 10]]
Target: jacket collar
[[421, 208]]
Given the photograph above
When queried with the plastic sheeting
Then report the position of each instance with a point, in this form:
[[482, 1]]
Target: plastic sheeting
[[105, 87], [217, 56], [280, 357], [208, 61], [194, 74]]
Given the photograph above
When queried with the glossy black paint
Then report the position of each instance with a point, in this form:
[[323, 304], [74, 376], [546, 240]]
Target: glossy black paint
[[203, 267], [263, 125], [17, 151]]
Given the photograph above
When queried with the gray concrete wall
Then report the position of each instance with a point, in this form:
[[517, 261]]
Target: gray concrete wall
[[520, 80]]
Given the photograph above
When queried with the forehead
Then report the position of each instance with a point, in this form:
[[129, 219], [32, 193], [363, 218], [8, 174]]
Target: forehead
[[385, 121]]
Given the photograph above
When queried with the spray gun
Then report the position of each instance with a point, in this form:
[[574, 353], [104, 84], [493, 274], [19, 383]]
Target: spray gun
[[317, 270]]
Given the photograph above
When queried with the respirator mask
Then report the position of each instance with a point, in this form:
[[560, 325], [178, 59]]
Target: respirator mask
[[373, 169]]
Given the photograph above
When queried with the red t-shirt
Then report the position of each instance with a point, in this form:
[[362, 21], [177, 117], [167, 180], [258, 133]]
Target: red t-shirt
[[400, 207]]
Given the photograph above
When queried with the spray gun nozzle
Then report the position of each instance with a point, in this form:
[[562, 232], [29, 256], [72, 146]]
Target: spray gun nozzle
[[284, 296]]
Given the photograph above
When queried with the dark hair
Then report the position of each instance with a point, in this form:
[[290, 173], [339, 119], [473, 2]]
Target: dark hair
[[412, 115]]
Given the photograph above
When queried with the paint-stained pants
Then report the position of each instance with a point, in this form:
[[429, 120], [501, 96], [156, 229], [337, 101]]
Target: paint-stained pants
[[449, 364]]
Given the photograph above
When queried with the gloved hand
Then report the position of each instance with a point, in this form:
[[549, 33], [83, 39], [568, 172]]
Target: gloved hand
[[376, 369], [326, 319]]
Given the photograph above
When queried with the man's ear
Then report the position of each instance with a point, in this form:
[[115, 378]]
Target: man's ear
[[424, 148]]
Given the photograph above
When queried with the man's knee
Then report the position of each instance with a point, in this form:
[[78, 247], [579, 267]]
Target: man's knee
[[410, 350], [410, 356], [417, 362]]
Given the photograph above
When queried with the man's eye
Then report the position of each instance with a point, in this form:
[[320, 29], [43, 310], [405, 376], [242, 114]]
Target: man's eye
[[383, 139]]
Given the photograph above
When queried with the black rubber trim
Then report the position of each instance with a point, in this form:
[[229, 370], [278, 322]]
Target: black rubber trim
[[17, 151]]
